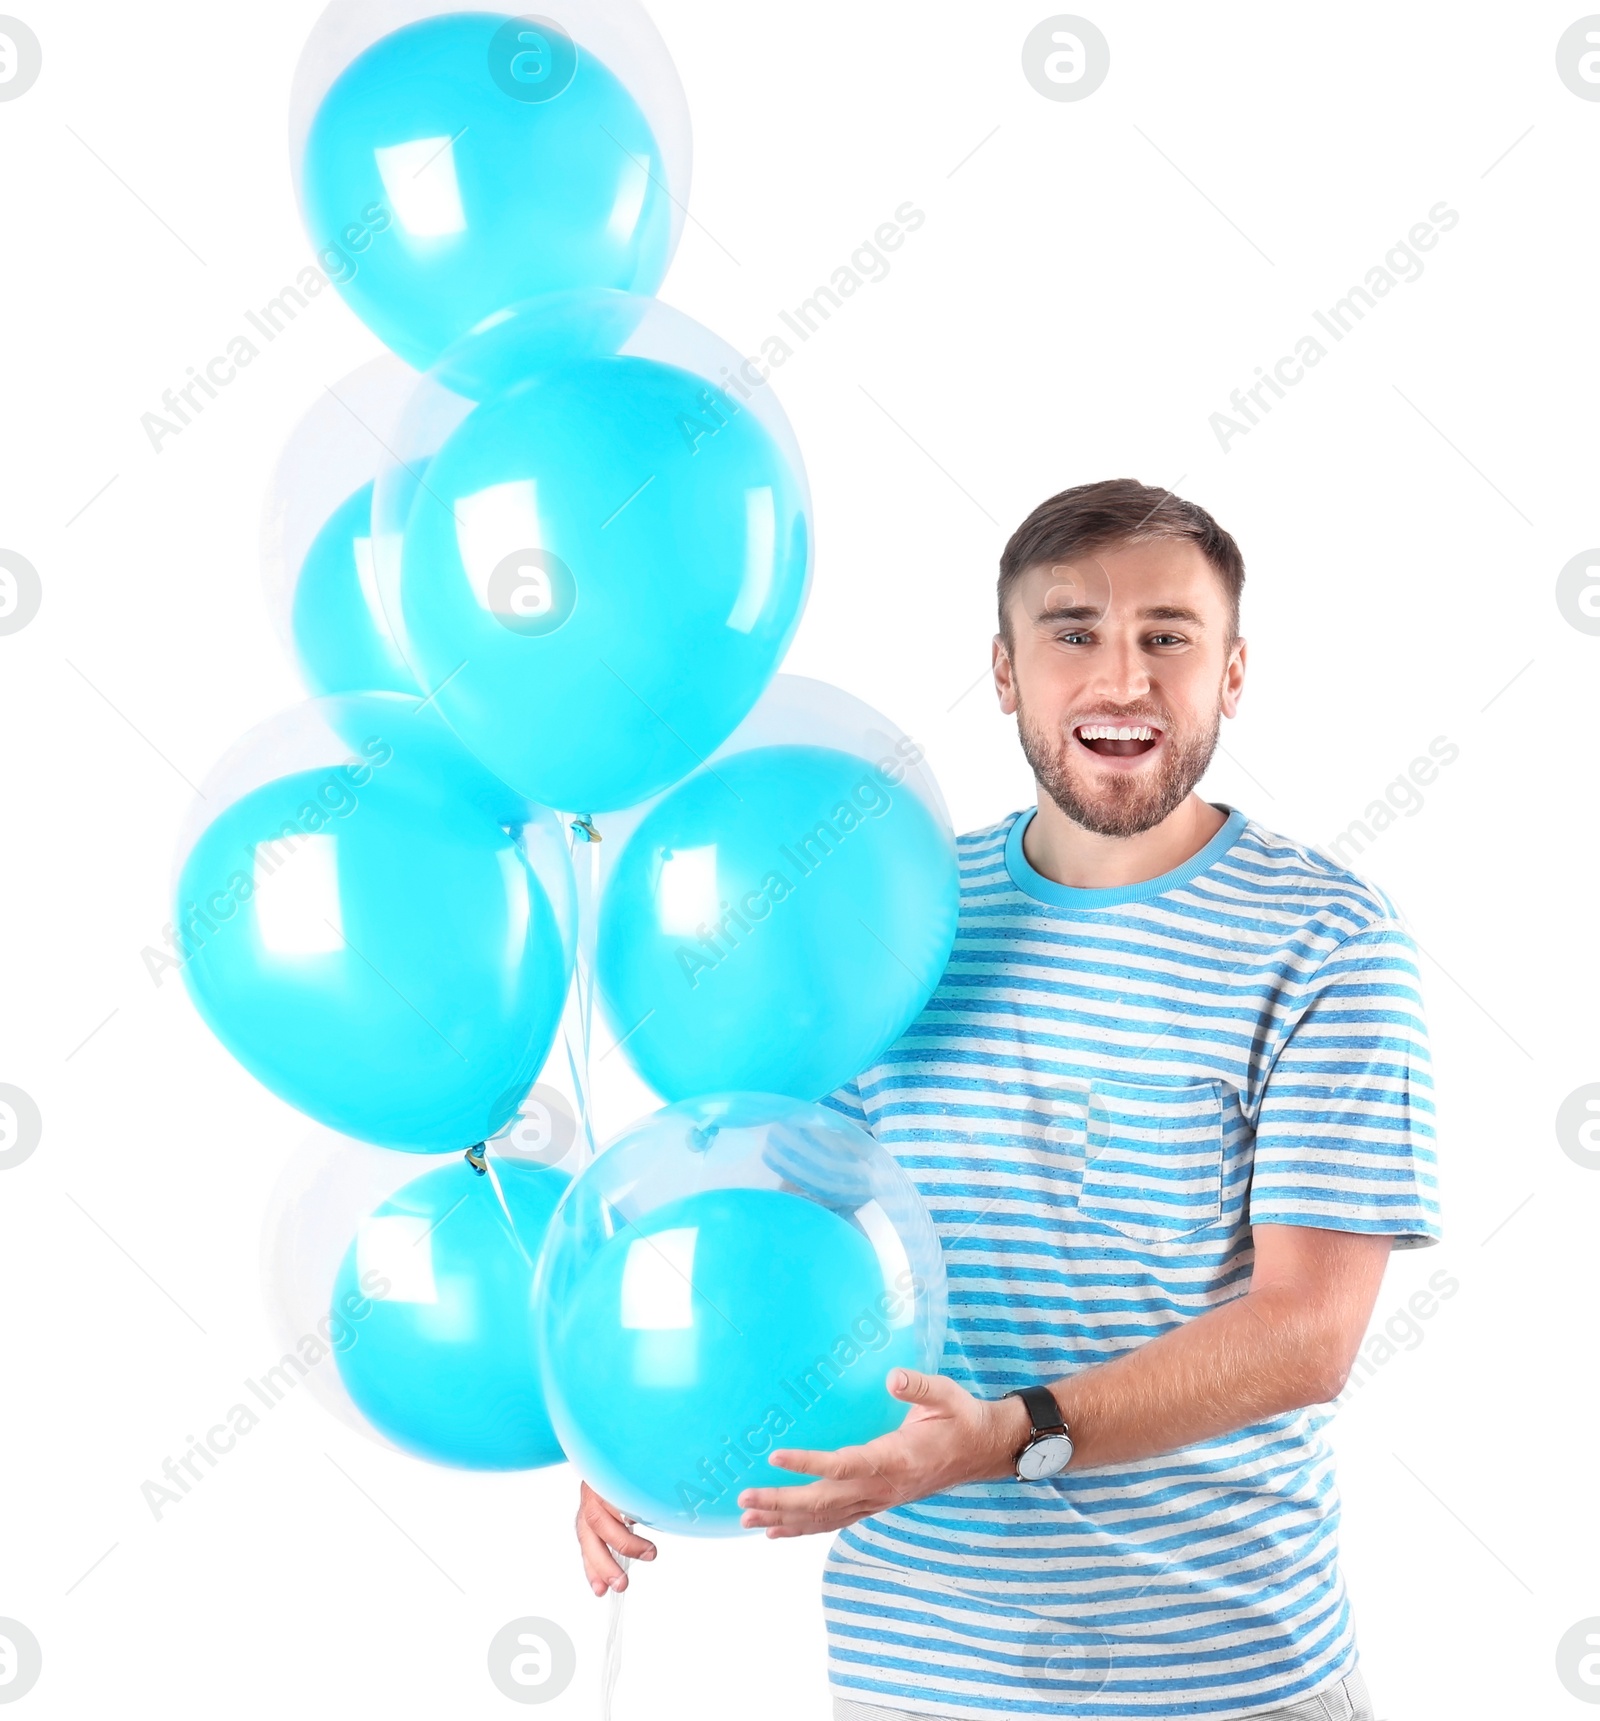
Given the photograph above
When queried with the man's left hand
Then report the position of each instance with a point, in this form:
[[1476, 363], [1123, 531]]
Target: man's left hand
[[948, 1437]]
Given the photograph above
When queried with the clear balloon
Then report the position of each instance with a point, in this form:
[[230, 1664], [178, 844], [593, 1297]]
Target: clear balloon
[[366, 933], [733, 1274], [778, 919], [400, 1299], [327, 1185], [317, 561], [451, 160], [594, 543]]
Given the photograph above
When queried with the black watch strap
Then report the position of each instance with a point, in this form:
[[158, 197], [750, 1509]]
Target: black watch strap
[[1042, 1408]]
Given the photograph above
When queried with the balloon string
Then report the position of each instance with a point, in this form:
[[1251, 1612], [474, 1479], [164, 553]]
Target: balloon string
[[583, 847], [511, 1224], [583, 850], [613, 1661], [589, 949]]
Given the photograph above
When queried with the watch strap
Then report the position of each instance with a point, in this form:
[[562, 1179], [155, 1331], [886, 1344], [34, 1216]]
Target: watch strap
[[1043, 1410]]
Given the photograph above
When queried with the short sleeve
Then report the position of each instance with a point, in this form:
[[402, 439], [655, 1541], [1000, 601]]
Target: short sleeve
[[847, 1099], [1345, 1130]]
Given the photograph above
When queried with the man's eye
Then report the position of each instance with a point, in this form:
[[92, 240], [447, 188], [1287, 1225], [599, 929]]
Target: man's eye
[[1174, 638], [1068, 638]]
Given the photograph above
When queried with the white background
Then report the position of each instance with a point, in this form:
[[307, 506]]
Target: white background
[[1087, 289]]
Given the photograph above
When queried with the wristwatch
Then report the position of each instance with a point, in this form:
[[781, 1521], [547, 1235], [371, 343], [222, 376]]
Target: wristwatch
[[1049, 1451]]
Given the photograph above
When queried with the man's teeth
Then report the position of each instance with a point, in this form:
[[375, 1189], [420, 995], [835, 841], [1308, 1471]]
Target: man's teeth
[[1104, 732]]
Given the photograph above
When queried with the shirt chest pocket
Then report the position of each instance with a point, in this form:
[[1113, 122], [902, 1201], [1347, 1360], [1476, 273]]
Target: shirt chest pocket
[[1153, 1163]]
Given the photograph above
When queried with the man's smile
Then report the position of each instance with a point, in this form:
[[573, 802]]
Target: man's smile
[[1119, 744]]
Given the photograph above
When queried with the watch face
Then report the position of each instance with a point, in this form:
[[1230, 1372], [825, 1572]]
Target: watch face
[[1046, 1457]]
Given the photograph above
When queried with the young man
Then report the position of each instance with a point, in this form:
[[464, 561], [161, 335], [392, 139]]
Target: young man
[[1170, 1109]]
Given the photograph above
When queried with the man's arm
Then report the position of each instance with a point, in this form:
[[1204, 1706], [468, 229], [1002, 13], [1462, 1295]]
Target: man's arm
[[1288, 1341]]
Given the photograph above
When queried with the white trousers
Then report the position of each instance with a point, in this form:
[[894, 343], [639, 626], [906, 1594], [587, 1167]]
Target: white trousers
[[1346, 1701]]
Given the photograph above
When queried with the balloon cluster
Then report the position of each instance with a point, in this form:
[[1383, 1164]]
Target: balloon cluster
[[538, 567]]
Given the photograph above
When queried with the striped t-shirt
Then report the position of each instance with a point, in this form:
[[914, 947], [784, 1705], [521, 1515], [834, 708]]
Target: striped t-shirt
[[1106, 1090]]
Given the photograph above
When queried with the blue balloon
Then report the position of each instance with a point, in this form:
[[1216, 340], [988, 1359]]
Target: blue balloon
[[600, 575], [774, 923], [441, 1362], [733, 1274], [339, 640], [465, 162], [381, 954], [774, 1282]]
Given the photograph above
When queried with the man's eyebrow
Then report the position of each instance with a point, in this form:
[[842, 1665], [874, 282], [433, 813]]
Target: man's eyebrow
[[1092, 612]]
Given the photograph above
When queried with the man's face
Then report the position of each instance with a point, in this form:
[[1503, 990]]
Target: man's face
[[1134, 637]]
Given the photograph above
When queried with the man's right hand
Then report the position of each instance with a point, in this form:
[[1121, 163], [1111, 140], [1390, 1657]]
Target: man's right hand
[[603, 1533]]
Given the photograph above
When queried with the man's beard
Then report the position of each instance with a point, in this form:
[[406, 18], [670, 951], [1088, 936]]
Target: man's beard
[[1123, 804]]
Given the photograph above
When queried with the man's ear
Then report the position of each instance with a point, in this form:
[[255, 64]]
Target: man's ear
[[1004, 682], [1233, 679]]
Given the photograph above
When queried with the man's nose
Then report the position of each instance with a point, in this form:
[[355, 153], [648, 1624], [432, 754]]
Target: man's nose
[[1121, 674]]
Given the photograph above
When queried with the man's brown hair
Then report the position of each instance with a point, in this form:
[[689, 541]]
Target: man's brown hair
[[1116, 511]]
